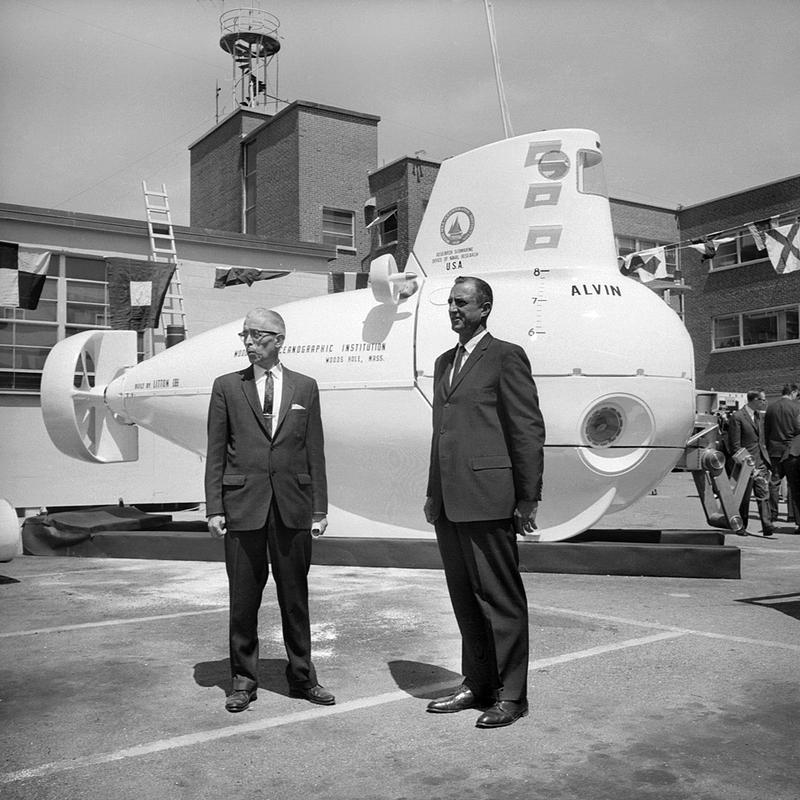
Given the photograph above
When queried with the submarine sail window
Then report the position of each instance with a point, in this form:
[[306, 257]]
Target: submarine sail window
[[591, 175]]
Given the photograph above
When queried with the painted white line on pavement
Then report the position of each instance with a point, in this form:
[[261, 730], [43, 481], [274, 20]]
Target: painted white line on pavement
[[602, 649], [107, 623], [203, 737], [137, 567], [658, 626]]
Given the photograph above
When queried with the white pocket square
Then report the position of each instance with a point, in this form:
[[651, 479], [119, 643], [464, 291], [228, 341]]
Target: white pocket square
[[297, 407]]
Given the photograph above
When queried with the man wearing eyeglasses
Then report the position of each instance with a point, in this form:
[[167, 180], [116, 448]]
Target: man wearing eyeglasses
[[266, 493]]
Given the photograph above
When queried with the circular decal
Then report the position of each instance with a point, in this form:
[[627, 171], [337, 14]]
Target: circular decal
[[554, 165], [457, 225]]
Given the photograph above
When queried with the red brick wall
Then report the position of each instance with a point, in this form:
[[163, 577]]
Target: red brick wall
[[644, 222], [215, 187], [746, 288], [336, 152], [278, 180], [406, 183]]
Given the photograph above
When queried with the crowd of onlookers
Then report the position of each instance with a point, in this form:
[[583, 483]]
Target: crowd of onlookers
[[768, 434]]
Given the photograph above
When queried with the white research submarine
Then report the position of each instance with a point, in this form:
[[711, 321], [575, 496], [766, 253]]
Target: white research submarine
[[613, 363]]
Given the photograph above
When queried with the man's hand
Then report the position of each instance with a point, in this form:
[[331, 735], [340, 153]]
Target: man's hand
[[525, 516], [216, 526], [429, 511], [319, 525]]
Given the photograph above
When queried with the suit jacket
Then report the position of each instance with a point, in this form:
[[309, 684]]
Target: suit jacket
[[743, 432], [487, 450], [781, 423], [246, 469]]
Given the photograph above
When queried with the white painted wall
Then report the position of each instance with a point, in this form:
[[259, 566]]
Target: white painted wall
[[207, 307]]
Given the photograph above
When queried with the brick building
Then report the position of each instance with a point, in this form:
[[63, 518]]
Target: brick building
[[298, 175], [741, 315], [400, 192]]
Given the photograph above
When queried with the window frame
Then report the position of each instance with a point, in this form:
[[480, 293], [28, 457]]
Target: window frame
[[391, 212], [740, 236], [740, 316], [327, 231], [62, 325]]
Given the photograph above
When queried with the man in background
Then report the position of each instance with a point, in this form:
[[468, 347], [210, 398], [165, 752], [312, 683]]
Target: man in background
[[780, 426], [746, 439]]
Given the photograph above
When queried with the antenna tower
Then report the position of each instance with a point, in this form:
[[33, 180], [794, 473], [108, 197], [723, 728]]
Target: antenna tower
[[250, 36]]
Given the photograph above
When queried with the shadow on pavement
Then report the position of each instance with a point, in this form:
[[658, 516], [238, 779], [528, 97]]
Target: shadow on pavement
[[788, 606], [424, 681], [271, 674]]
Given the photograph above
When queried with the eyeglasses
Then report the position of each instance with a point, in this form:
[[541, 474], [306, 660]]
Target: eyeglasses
[[255, 334]]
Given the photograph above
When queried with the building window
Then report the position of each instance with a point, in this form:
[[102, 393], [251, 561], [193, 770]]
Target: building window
[[74, 298], [742, 250], [757, 328], [250, 162], [337, 228], [386, 223]]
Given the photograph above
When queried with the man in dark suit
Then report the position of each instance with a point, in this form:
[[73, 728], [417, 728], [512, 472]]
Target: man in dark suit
[[266, 492], [746, 439], [780, 426], [790, 464], [484, 485]]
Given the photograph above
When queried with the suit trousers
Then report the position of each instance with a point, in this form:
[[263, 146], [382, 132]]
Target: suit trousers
[[247, 566], [791, 468], [758, 487], [481, 566], [776, 477]]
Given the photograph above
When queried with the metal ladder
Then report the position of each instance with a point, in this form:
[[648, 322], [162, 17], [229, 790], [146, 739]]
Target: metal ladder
[[162, 249]]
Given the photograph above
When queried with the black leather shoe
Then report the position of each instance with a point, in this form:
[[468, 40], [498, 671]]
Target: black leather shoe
[[240, 699], [502, 713], [314, 694], [461, 699], [769, 530]]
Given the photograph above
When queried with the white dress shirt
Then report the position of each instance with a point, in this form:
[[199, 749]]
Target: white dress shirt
[[468, 348], [277, 389]]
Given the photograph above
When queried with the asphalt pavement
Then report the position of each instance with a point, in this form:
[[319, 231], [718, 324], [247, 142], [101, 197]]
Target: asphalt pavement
[[113, 674]]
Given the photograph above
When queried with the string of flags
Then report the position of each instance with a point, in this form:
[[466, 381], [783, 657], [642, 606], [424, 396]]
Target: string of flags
[[781, 243], [650, 264]]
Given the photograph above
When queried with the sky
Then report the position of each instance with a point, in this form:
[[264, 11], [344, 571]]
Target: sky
[[692, 99]]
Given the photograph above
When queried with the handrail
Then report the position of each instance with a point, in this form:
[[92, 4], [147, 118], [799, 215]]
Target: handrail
[[253, 20]]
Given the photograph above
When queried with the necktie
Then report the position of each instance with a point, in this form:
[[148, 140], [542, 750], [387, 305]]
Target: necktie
[[269, 392], [460, 352]]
